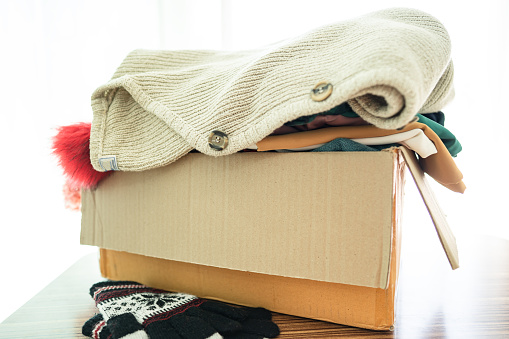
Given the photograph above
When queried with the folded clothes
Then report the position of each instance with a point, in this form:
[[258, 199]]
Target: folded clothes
[[414, 139], [440, 166], [344, 115]]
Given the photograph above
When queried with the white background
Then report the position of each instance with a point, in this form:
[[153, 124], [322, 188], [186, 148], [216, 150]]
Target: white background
[[53, 54]]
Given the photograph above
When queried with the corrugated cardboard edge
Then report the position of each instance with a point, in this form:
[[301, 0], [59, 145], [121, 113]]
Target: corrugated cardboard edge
[[437, 215]]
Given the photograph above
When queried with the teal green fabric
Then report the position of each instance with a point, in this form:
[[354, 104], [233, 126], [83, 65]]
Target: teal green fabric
[[451, 143], [436, 117], [347, 145]]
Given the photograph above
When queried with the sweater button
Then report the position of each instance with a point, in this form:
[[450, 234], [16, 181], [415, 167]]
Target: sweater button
[[218, 140], [321, 91]]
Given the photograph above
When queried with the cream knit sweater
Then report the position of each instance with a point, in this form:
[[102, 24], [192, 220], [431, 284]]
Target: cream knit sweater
[[159, 105]]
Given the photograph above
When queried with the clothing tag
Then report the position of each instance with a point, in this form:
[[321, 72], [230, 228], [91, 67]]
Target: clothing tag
[[108, 163], [442, 227]]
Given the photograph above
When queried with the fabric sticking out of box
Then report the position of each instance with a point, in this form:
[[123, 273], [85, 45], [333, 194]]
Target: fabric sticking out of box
[[343, 115], [414, 139], [440, 166]]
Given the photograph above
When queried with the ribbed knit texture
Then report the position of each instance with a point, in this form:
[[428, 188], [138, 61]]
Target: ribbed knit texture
[[159, 105]]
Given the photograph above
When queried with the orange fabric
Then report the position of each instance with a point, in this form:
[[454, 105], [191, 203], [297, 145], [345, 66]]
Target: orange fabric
[[439, 166]]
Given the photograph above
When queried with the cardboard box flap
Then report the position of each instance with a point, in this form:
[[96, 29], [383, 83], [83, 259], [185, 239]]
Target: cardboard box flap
[[442, 227], [319, 216]]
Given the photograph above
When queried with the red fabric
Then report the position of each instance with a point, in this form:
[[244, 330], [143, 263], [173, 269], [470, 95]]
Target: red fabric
[[71, 146]]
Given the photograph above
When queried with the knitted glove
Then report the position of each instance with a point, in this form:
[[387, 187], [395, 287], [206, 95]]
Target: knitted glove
[[132, 310], [96, 328]]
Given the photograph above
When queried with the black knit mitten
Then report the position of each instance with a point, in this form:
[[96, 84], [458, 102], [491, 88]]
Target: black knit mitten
[[132, 310], [96, 328]]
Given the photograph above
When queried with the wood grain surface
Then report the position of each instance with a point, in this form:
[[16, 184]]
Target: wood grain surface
[[433, 301]]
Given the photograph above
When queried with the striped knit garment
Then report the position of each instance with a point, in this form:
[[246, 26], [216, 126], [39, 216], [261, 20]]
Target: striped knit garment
[[388, 65], [129, 310]]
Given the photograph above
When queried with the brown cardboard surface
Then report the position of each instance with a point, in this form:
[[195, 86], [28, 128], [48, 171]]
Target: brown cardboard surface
[[323, 217], [444, 232], [359, 306]]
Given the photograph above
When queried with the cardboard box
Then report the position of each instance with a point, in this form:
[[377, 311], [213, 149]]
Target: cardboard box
[[309, 234]]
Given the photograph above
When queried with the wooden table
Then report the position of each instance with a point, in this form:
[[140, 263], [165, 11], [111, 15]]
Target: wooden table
[[433, 301]]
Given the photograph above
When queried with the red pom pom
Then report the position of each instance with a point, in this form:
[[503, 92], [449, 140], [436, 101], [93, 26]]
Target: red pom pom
[[71, 145], [72, 197]]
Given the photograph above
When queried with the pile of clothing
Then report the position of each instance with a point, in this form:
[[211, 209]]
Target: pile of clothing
[[341, 129], [380, 79]]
